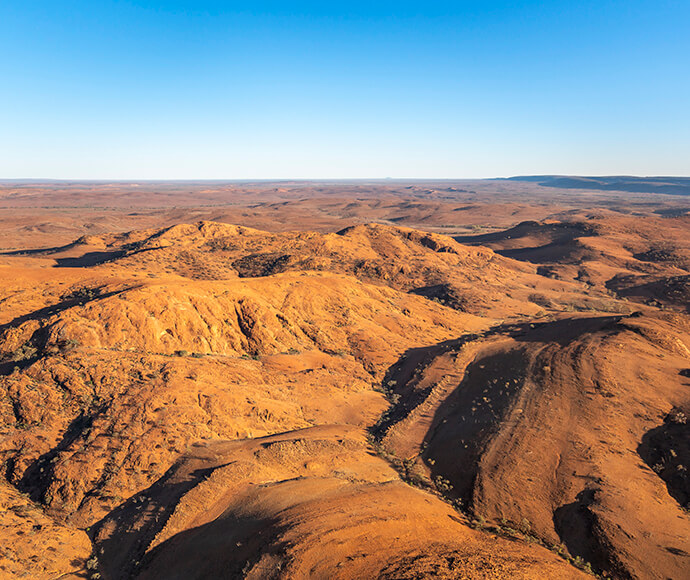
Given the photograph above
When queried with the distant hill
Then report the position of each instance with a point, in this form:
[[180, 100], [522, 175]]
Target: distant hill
[[668, 185]]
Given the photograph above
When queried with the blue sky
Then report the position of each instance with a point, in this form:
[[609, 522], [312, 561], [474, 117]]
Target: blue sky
[[154, 90]]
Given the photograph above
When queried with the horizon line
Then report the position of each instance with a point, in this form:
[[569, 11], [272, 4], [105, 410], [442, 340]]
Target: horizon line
[[323, 179]]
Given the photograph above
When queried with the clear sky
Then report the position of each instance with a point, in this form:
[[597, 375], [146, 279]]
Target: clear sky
[[242, 90]]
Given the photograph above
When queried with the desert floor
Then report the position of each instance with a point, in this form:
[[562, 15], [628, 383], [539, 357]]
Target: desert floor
[[471, 379]]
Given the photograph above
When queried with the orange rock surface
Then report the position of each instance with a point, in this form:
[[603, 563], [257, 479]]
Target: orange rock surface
[[354, 400]]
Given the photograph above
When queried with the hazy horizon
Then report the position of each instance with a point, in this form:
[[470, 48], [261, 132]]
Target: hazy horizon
[[321, 179]]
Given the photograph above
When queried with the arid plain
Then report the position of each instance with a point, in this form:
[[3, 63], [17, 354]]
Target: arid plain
[[468, 379]]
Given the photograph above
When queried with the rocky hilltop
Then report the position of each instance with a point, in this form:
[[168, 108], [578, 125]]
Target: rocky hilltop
[[208, 400]]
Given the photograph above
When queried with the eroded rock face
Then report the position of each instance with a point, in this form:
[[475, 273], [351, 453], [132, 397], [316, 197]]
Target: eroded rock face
[[34, 545], [538, 427], [213, 401]]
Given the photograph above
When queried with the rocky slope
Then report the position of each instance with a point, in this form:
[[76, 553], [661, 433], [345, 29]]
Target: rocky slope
[[208, 400]]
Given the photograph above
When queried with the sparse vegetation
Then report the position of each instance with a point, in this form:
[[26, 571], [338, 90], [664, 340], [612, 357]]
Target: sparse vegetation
[[159, 369]]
